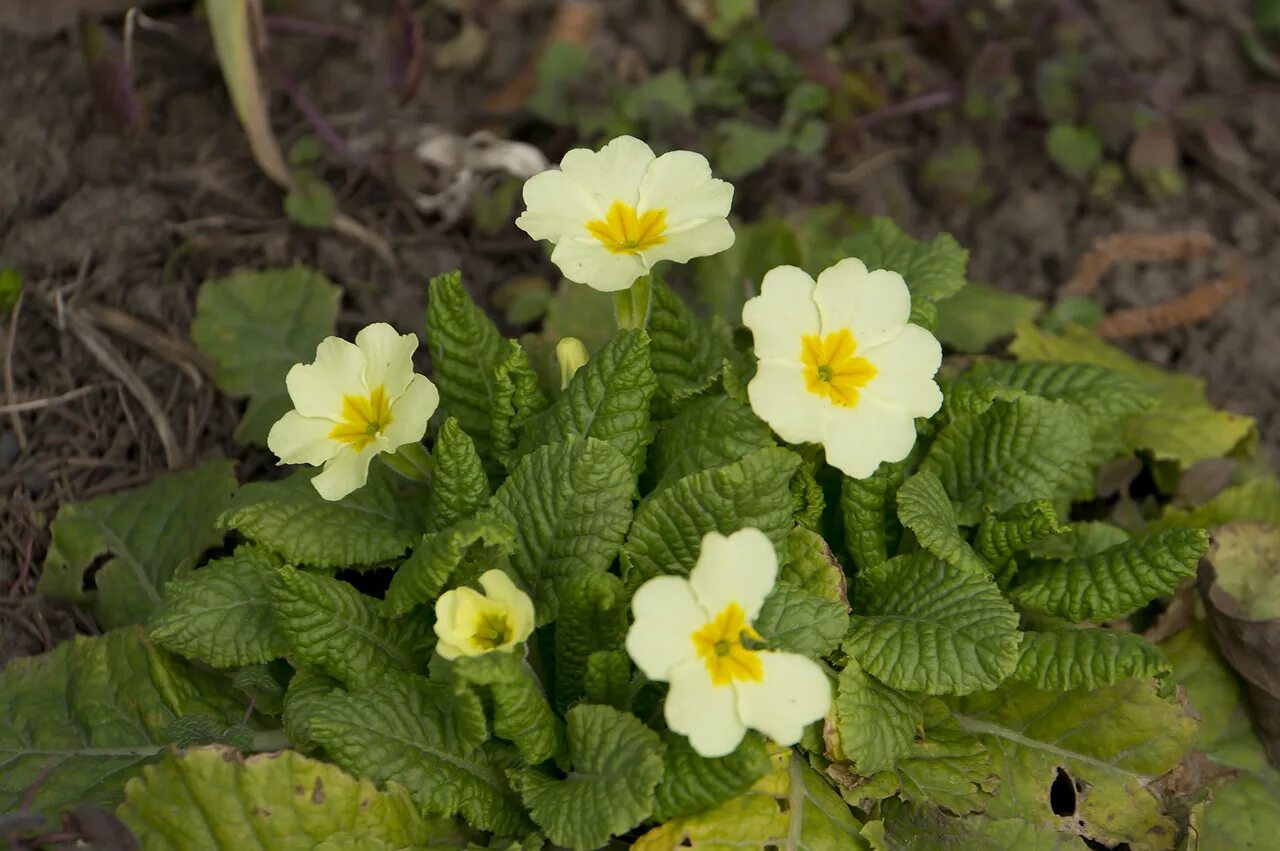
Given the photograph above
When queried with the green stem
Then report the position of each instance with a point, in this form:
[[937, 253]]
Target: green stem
[[632, 304], [411, 461]]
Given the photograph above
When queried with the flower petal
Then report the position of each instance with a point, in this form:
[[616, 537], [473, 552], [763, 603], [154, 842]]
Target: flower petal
[[388, 357], [859, 438], [410, 412], [905, 366], [347, 471], [700, 239], [499, 588], [611, 174], [873, 305], [317, 388], [738, 568], [782, 314], [703, 711], [557, 207], [587, 261], [779, 397], [793, 693], [666, 616], [296, 439], [680, 182]]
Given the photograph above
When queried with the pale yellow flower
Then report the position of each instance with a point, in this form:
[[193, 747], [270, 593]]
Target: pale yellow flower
[[840, 365], [469, 623], [613, 213], [353, 402], [696, 634]]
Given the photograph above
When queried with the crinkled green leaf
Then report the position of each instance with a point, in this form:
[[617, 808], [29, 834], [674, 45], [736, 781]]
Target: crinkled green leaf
[[708, 432], [617, 763], [904, 827], [426, 572], [1256, 499], [607, 679], [608, 399], [875, 724], [403, 728], [307, 686], [791, 808], [520, 711], [870, 511], [253, 327], [669, 525], [686, 353], [796, 621], [1080, 540], [1182, 425], [926, 625], [1242, 815], [810, 566], [925, 509], [210, 799], [221, 613], [374, 524], [1001, 536], [570, 504], [692, 783], [593, 618], [466, 349], [459, 486], [1112, 744], [77, 722], [146, 536], [1013, 452], [1086, 658], [1114, 582], [979, 314], [332, 626], [933, 270], [517, 401], [808, 499]]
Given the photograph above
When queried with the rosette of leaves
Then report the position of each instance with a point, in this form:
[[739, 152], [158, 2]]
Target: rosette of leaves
[[972, 614]]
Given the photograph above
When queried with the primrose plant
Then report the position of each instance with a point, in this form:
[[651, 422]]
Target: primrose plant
[[780, 587]]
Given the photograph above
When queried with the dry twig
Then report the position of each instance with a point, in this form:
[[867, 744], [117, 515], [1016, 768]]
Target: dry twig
[[10, 338], [1139, 247]]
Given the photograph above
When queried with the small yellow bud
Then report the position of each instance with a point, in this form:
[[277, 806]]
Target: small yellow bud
[[571, 355]]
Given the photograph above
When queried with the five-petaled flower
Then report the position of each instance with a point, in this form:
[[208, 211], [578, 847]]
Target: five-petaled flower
[[696, 634], [613, 213], [469, 623], [353, 402], [840, 365]]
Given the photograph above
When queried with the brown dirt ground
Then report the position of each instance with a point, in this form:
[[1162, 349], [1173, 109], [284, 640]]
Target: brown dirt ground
[[114, 233]]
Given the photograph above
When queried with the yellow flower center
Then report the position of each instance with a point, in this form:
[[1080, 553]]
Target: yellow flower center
[[719, 644], [623, 232], [493, 630], [363, 418], [832, 369]]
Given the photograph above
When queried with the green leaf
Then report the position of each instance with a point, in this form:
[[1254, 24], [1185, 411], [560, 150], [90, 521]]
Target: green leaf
[[425, 573], [570, 504], [608, 399], [692, 783], [1001, 536], [617, 763], [686, 354], [517, 401], [1080, 540], [933, 627], [310, 202], [459, 486], [979, 314], [1243, 815], [1182, 426], [466, 349], [905, 828], [869, 509], [1104, 395], [403, 728], [1256, 499], [1114, 582], [1077, 149], [253, 327], [210, 798], [810, 566], [933, 270], [520, 711], [669, 526], [1114, 742], [876, 724], [796, 621], [146, 536], [332, 626], [221, 614], [593, 618], [608, 679], [1013, 452], [925, 509], [77, 722], [1064, 659], [307, 686], [790, 808], [373, 524], [709, 432], [744, 147]]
